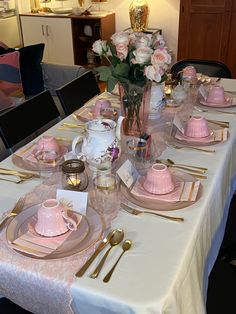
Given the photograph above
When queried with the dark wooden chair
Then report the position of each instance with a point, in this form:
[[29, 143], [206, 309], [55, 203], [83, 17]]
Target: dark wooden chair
[[207, 67], [76, 93], [22, 123]]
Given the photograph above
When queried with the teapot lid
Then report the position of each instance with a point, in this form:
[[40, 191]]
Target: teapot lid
[[101, 125]]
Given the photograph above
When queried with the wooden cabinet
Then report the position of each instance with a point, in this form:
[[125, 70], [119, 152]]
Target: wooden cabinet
[[67, 39], [207, 30], [99, 28], [55, 33]]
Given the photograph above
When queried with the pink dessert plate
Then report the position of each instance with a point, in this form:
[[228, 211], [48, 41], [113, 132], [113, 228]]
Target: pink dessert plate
[[89, 231], [30, 163], [152, 201]]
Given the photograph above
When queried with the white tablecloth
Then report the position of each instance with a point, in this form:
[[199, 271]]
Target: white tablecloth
[[167, 268]]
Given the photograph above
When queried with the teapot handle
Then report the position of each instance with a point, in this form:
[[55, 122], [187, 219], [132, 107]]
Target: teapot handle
[[78, 140]]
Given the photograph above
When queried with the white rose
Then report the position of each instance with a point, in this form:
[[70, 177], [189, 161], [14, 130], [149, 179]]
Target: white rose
[[142, 55], [159, 42], [120, 38], [143, 40], [152, 73], [100, 47]]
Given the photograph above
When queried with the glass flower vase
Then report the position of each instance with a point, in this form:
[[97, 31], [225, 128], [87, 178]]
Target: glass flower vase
[[135, 101]]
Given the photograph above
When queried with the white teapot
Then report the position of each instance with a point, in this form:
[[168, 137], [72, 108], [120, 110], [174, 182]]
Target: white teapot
[[99, 143]]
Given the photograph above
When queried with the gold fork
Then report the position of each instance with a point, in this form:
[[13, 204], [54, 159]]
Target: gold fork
[[136, 212], [15, 211]]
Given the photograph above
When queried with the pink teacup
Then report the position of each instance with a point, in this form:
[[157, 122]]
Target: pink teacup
[[53, 220], [158, 180], [100, 104], [48, 143], [189, 71], [216, 95], [47, 148], [197, 126]]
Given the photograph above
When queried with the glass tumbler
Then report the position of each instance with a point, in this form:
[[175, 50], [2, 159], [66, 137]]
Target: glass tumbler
[[106, 196]]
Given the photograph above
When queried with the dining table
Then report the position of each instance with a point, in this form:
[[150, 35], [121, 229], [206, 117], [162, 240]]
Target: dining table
[[166, 269]]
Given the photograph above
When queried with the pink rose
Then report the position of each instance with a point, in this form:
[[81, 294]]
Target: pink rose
[[122, 51], [160, 56]]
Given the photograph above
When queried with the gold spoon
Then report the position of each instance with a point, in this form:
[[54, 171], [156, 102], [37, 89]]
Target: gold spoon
[[116, 238], [170, 164], [126, 246], [100, 247]]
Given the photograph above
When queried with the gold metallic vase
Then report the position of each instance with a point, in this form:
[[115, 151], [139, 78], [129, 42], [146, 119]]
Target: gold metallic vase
[[138, 13]]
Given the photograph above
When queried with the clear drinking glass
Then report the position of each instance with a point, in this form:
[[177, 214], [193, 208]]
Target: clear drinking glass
[[106, 196]]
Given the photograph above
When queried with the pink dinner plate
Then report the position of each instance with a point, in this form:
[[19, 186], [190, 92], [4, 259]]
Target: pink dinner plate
[[150, 201], [90, 230]]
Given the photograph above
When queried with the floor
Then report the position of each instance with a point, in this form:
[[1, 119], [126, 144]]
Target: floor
[[222, 281]]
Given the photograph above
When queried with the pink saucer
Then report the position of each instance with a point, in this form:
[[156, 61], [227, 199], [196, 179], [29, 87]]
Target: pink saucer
[[63, 151], [208, 139], [138, 189], [227, 103]]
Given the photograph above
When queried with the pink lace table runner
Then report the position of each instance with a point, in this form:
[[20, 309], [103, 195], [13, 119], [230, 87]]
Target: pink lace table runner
[[40, 286]]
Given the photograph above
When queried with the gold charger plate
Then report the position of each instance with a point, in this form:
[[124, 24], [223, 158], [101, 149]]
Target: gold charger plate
[[162, 205], [87, 234]]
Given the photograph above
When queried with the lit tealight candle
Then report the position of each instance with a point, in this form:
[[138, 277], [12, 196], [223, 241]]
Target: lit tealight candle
[[72, 180]]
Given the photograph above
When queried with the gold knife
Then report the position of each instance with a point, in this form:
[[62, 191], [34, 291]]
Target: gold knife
[[100, 247], [21, 174]]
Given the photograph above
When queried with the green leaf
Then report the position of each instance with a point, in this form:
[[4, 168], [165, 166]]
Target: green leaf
[[104, 73], [112, 81], [122, 69]]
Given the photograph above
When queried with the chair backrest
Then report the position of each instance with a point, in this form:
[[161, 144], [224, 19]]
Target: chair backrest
[[207, 67], [76, 93], [29, 119]]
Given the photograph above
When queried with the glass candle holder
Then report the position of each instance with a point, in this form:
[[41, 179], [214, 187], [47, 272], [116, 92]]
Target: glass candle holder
[[74, 176]]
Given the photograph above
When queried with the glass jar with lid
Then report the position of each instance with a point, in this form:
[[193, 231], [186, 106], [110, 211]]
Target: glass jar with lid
[[74, 175]]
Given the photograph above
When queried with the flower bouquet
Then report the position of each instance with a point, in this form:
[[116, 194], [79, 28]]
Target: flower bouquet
[[134, 61]]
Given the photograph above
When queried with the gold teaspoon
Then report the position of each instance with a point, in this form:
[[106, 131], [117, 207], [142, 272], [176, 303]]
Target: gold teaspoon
[[126, 246], [116, 238]]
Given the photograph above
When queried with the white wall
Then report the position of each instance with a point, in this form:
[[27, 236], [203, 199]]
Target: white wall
[[164, 14]]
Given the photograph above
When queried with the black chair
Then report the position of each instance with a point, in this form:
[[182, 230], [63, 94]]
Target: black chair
[[207, 67], [21, 124], [76, 93]]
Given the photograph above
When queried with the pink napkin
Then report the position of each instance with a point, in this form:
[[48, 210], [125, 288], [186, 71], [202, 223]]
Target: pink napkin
[[183, 191]]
